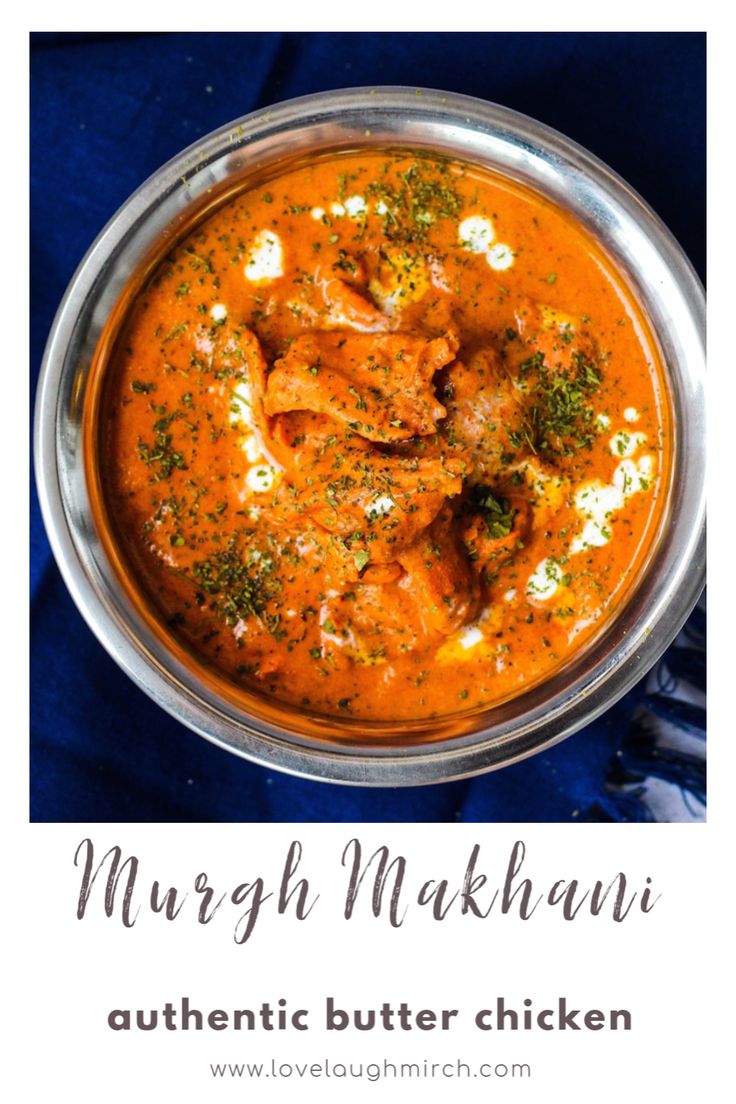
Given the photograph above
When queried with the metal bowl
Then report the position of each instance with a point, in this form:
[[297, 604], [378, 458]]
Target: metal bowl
[[265, 142]]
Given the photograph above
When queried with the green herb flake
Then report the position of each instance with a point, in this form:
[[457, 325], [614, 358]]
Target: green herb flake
[[496, 512], [361, 558]]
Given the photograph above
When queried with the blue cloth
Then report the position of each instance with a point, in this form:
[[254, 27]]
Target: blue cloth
[[106, 111]]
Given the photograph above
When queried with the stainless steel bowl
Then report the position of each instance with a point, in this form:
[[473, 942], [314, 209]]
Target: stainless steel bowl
[[263, 143]]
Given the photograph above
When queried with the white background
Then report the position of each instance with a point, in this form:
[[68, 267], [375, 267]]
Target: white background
[[655, 965], [672, 968]]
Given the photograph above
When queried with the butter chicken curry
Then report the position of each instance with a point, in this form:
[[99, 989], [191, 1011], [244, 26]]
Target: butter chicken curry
[[385, 438]]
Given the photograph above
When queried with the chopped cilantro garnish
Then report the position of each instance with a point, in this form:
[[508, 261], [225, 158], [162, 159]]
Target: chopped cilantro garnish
[[239, 589], [423, 194], [560, 417], [496, 512], [160, 455]]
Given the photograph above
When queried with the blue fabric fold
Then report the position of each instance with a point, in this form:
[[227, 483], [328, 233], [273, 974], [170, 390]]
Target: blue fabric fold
[[106, 111]]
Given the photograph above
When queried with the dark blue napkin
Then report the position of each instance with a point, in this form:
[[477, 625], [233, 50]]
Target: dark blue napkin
[[106, 111]]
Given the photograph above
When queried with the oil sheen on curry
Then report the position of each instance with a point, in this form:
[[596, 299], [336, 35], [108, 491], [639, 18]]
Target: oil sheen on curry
[[385, 438]]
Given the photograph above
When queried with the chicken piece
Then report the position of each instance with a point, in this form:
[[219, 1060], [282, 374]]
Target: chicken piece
[[236, 353], [369, 624], [484, 412], [496, 527], [347, 308], [232, 352], [440, 578], [379, 574], [560, 338], [437, 317], [374, 503], [349, 267], [295, 436], [401, 277], [332, 297], [378, 384], [555, 364]]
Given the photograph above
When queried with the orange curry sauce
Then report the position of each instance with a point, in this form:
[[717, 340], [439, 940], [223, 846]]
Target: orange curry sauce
[[384, 438]]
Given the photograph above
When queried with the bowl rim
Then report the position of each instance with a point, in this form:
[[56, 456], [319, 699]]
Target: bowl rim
[[270, 746]]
